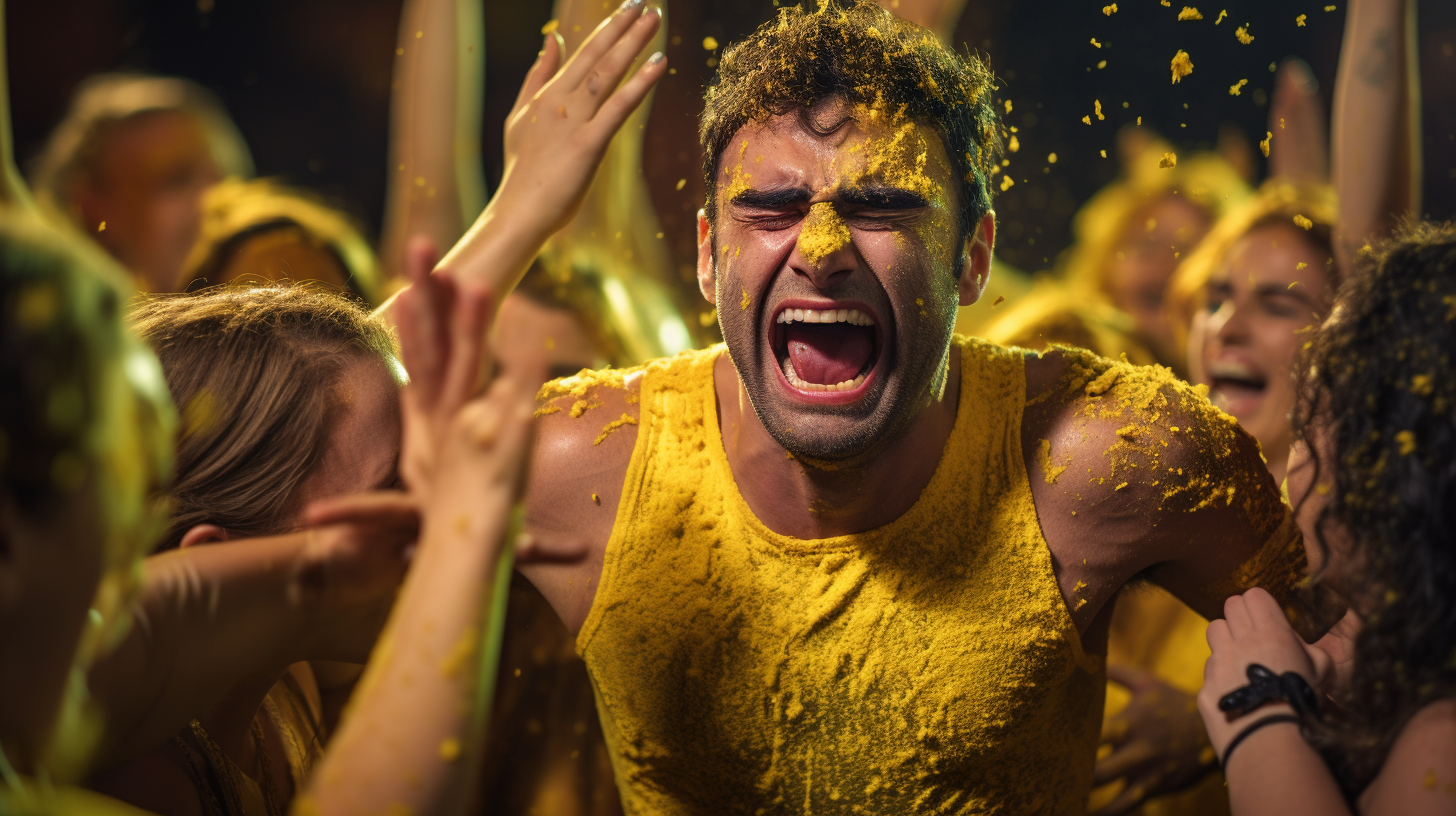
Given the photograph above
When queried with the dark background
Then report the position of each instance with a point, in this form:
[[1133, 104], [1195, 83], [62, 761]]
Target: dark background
[[308, 83]]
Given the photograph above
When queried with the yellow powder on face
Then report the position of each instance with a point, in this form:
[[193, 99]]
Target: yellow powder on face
[[823, 233], [1264, 143], [624, 419], [1182, 65], [1050, 471]]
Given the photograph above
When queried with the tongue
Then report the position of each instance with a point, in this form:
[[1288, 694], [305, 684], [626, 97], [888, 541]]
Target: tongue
[[828, 353]]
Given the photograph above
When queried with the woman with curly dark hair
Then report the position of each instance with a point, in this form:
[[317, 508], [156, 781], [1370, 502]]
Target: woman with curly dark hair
[[1374, 484]]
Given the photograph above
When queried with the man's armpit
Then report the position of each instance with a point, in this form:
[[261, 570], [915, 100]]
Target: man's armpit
[[1280, 568]]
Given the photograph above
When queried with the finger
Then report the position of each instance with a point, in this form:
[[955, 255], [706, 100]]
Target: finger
[[1121, 762], [625, 99], [1133, 678], [467, 337], [1236, 612], [601, 40], [533, 550], [545, 67], [1264, 611], [603, 77], [381, 505], [1218, 635]]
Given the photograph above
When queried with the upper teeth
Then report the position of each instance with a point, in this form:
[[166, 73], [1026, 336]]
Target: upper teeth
[[1231, 370], [852, 316]]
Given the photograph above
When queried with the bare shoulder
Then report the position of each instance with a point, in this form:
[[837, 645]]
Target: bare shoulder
[[1163, 475], [586, 430], [1419, 774]]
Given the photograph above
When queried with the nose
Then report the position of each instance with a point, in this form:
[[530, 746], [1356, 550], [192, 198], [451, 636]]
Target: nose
[[825, 247], [1229, 324]]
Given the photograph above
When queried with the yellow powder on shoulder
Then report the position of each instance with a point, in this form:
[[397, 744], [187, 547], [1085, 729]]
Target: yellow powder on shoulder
[[745, 301], [822, 234], [1050, 471], [624, 419]]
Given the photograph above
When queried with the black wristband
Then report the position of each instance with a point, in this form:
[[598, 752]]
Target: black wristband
[[1266, 687], [1254, 726]]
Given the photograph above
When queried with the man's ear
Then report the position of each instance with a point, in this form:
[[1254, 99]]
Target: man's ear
[[976, 260], [707, 277], [203, 534]]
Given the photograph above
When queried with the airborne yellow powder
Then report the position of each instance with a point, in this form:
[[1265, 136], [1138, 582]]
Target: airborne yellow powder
[[1236, 88], [1243, 34], [1189, 13], [1168, 162], [1182, 65], [823, 233], [1264, 144], [1302, 222], [1110, 10]]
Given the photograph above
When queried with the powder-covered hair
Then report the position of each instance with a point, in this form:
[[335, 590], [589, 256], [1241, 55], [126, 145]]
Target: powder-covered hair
[[235, 210], [254, 371], [855, 50], [1377, 386]]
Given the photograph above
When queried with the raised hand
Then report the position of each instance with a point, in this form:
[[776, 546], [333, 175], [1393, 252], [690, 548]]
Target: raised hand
[[565, 116]]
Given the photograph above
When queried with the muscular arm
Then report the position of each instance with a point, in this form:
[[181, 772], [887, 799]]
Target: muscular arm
[[575, 482], [1376, 123], [436, 184], [1135, 474]]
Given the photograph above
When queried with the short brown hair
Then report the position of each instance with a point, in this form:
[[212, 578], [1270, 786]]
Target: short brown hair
[[858, 51], [254, 371]]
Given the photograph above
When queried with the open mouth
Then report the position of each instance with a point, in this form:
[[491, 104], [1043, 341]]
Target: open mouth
[[1236, 386], [828, 351]]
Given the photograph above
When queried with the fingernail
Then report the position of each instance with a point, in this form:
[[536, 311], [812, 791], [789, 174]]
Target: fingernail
[[656, 58], [655, 11], [628, 5]]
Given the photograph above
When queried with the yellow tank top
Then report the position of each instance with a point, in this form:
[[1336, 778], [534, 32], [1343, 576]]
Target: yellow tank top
[[927, 666]]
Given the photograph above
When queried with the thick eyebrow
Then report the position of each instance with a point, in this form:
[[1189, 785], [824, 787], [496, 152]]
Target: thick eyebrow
[[771, 199], [881, 198], [1298, 292]]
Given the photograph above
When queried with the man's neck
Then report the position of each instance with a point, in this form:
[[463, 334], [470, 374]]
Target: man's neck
[[797, 499]]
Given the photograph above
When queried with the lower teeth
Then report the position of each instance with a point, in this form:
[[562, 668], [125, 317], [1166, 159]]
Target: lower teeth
[[797, 382]]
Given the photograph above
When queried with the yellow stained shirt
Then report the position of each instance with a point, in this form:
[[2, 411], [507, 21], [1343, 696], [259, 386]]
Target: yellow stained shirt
[[927, 666]]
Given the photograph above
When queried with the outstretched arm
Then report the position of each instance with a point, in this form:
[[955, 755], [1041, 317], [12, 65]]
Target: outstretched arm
[[1376, 123], [436, 184], [13, 192], [213, 618]]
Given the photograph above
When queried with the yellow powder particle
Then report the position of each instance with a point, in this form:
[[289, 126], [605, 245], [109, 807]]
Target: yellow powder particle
[[1236, 89], [1264, 144], [1140, 124], [823, 233], [1101, 64], [551, 25], [1110, 10], [1329, 8], [1421, 385], [1168, 162], [710, 44], [596, 499], [745, 301], [1221, 15], [681, 183], [1406, 442], [1013, 144], [1095, 43], [1120, 486], [450, 749], [451, 664], [1182, 65], [1103, 152], [1081, 603], [1302, 222], [1079, 586], [707, 318], [624, 419], [1086, 120], [1008, 106], [1299, 21], [1051, 158], [1097, 107], [1166, 3], [1051, 472], [101, 227], [1189, 13], [1243, 34], [1300, 265], [998, 301], [1006, 183]]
